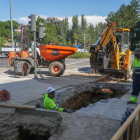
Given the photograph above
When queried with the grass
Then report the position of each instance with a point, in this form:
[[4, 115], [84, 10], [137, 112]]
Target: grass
[[79, 55]]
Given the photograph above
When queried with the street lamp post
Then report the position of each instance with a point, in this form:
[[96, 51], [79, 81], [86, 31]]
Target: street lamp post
[[11, 24], [84, 43]]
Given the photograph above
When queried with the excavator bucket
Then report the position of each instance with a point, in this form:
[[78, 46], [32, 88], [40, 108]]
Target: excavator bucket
[[52, 52]]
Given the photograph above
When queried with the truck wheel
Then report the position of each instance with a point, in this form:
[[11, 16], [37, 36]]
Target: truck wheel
[[56, 68], [64, 65], [26, 68]]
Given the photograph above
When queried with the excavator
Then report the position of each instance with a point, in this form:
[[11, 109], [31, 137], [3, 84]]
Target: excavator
[[111, 51]]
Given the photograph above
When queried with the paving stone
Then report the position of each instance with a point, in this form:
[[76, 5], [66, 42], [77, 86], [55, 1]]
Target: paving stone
[[101, 103]]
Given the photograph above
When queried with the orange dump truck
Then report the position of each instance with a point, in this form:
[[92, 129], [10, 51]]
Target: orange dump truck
[[50, 55]]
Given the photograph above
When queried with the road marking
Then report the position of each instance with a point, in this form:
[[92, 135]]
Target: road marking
[[76, 62]]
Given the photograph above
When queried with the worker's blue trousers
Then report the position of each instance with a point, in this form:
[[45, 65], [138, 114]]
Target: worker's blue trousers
[[136, 87]]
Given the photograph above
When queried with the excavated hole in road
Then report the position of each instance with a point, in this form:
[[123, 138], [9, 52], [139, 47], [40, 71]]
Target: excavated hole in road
[[26, 135], [86, 98]]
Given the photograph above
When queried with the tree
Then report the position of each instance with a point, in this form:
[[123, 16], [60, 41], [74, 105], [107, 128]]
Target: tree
[[127, 16], [2, 42], [51, 33], [39, 19], [83, 24], [5, 28], [69, 43], [75, 26], [92, 34], [99, 29]]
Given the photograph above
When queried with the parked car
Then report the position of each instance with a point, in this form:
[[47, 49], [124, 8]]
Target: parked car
[[81, 49]]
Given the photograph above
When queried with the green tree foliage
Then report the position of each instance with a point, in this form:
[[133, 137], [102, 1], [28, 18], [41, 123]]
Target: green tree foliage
[[63, 30], [99, 29], [75, 26], [127, 16], [51, 33], [39, 19], [92, 34], [83, 24], [5, 31], [5, 28], [2, 42]]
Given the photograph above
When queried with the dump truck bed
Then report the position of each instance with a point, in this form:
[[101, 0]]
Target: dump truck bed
[[52, 52]]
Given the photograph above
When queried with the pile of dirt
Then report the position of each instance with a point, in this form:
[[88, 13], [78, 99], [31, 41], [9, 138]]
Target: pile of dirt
[[18, 126], [104, 91]]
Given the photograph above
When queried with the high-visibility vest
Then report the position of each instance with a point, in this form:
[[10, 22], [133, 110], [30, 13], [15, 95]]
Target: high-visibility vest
[[50, 104], [136, 66]]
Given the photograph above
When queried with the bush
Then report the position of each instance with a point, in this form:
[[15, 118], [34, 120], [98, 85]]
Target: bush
[[80, 55]]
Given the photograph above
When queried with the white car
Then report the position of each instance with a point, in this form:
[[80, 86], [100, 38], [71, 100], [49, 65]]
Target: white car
[[81, 49]]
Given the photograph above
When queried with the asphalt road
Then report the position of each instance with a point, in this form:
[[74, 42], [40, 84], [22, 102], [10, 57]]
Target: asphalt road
[[77, 64], [71, 64]]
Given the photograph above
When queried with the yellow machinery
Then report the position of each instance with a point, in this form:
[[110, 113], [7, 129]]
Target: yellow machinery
[[111, 51]]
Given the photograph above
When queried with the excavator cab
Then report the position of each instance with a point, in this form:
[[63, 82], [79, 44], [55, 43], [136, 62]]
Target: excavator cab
[[122, 38]]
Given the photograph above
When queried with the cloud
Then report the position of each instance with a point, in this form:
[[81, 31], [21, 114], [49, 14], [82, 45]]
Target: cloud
[[23, 20], [90, 19], [5, 19], [93, 19]]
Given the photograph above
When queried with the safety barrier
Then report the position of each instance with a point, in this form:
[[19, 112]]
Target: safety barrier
[[4, 62], [126, 126]]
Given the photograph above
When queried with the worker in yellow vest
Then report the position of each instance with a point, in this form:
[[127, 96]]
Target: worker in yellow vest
[[136, 78], [49, 102]]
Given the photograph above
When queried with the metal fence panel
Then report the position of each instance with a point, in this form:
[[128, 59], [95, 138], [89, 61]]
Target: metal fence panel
[[4, 62]]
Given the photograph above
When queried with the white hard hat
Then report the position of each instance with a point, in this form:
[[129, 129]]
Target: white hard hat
[[50, 89]]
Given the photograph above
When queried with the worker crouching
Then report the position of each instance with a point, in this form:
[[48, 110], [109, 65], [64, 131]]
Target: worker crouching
[[136, 78], [49, 102]]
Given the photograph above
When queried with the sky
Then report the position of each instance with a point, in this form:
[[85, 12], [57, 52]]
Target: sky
[[95, 11]]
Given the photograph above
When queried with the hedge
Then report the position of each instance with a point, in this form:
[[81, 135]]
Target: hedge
[[80, 55]]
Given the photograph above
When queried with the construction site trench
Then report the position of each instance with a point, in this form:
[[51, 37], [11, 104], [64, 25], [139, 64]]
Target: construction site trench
[[88, 98], [79, 96], [83, 95]]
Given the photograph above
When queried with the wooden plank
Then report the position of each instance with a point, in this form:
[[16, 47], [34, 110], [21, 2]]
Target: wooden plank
[[7, 105]]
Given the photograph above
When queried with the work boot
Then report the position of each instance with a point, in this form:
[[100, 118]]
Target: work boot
[[130, 102]]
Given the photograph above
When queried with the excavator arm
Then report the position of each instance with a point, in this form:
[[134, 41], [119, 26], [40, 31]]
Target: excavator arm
[[99, 58], [106, 36]]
